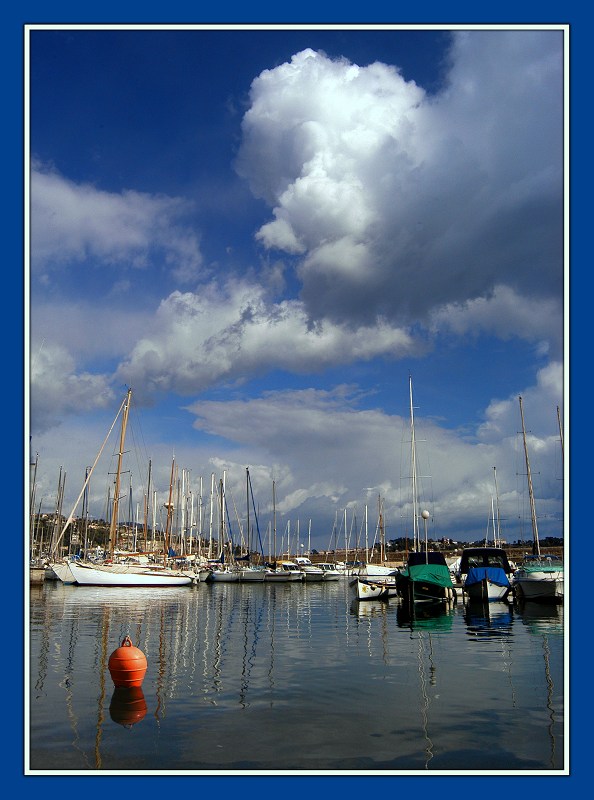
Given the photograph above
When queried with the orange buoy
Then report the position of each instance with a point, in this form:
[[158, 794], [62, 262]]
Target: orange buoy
[[128, 706], [127, 665]]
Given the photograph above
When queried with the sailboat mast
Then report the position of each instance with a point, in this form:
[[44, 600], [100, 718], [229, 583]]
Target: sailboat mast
[[200, 521], [560, 430], [274, 518], [497, 534], [491, 521], [146, 506], [381, 529], [536, 544], [169, 507], [32, 508], [247, 505], [116, 497], [85, 512], [366, 537], [413, 461], [210, 524]]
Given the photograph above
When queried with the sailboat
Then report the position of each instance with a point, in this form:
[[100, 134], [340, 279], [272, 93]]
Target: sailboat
[[425, 577], [381, 570], [36, 565], [274, 574], [248, 572], [113, 574], [485, 571], [539, 577], [223, 571], [368, 589]]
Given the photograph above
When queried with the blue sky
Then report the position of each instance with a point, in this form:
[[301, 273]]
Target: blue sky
[[264, 233]]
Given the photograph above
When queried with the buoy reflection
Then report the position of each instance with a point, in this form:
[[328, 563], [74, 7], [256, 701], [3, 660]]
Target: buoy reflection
[[127, 706]]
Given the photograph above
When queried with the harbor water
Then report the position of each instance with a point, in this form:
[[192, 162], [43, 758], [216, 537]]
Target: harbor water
[[292, 678]]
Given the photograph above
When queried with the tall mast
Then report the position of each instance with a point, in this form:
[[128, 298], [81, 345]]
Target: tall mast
[[169, 507], [116, 497], [85, 511], [274, 518], [560, 430], [366, 537], [496, 530], [146, 506], [32, 507], [212, 490], [200, 521], [535, 544], [381, 529], [413, 461], [247, 500], [181, 501], [222, 514]]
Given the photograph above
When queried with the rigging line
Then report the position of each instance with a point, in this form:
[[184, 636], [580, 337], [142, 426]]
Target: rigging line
[[88, 478]]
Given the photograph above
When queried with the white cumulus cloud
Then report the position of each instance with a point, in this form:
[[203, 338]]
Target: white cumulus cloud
[[396, 202]]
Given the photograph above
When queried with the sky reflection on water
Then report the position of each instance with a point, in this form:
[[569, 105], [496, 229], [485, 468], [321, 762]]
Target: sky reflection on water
[[293, 678]]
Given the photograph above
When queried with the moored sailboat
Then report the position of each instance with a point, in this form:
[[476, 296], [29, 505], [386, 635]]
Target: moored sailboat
[[113, 574], [425, 577], [539, 577], [367, 589]]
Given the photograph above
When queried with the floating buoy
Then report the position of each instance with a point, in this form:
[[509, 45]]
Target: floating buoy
[[127, 665], [128, 706]]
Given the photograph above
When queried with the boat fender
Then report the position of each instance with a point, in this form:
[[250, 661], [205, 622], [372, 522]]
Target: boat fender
[[127, 665]]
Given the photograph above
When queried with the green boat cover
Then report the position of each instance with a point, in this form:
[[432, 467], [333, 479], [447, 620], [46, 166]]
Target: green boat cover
[[433, 573]]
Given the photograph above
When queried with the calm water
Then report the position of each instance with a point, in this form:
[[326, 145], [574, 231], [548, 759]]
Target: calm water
[[244, 679]]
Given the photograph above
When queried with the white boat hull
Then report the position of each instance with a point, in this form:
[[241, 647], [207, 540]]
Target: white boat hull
[[277, 577], [540, 586], [376, 571], [221, 576], [252, 575], [368, 590], [330, 572], [291, 569], [120, 575], [63, 572], [313, 575], [486, 590]]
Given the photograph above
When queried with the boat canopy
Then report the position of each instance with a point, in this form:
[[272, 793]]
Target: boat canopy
[[494, 575], [484, 557], [542, 565], [426, 558], [438, 574]]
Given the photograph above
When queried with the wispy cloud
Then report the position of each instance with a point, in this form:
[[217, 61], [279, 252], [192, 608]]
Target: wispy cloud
[[74, 224]]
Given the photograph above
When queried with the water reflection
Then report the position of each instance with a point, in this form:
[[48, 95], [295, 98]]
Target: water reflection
[[424, 621], [128, 705], [542, 617], [255, 663], [368, 608], [371, 615], [490, 620], [431, 617], [545, 621]]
